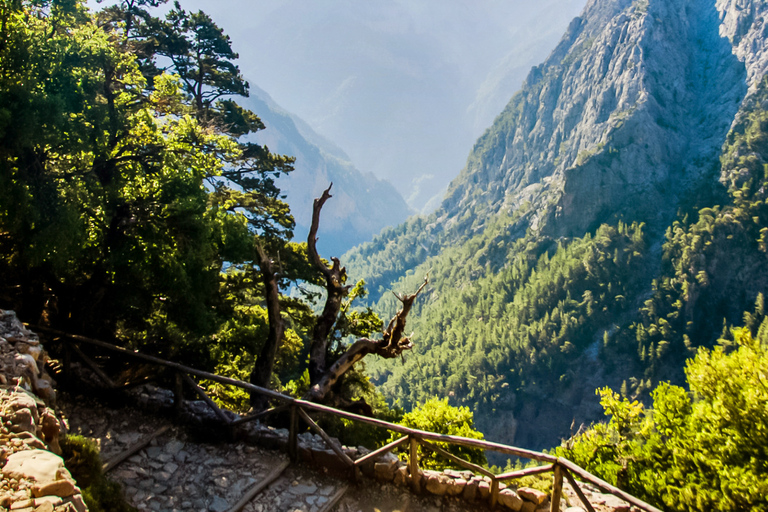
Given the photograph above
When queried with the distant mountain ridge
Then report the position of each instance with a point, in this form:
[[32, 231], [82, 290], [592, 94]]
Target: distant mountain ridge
[[562, 258], [362, 205]]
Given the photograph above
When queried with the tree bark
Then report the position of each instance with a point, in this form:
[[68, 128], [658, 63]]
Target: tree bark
[[335, 276], [262, 370]]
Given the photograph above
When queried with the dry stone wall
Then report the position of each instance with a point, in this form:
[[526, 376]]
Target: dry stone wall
[[34, 476]]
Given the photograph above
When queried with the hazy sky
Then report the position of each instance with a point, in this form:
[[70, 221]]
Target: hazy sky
[[405, 87]]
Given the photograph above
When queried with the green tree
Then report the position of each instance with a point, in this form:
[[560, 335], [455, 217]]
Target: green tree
[[436, 415], [706, 449]]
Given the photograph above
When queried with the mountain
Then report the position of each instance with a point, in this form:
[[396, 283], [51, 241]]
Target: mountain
[[404, 86], [362, 205], [609, 222]]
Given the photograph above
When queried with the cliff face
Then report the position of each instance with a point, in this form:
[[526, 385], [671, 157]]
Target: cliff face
[[625, 116], [623, 121]]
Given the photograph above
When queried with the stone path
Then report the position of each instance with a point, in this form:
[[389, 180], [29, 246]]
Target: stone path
[[176, 473]]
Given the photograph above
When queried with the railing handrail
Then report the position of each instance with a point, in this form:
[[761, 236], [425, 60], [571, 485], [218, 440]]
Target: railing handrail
[[410, 432]]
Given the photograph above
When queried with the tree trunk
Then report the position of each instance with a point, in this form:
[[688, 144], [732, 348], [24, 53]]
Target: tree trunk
[[262, 370], [335, 277]]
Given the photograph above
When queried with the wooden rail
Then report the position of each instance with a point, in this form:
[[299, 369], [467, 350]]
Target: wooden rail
[[414, 438]]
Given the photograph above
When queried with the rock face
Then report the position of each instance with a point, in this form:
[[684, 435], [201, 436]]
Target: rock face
[[34, 476], [625, 121], [622, 120]]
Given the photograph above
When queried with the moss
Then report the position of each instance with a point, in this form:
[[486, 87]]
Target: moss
[[83, 460]]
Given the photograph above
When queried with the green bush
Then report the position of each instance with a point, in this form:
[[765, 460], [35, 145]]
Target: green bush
[[697, 450], [82, 458], [436, 415]]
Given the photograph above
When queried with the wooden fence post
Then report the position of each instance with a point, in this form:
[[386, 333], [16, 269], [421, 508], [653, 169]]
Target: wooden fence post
[[494, 491], [557, 488], [413, 464], [293, 452]]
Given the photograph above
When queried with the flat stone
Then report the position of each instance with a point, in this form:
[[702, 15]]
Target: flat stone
[[299, 489], [174, 447], [38, 465], [62, 488], [534, 495]]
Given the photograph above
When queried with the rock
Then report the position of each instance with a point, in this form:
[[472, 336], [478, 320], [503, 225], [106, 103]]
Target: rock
[[218, 505], [77, 503], [62, 488], [614, 503], [456, 486], [510, 499], [385, 471], [528, 506], [470, 490], [484, 489], [38, 465], [51, 430], [575, 509], [401, 476], [437, 483], [534, 495], [45, 507]]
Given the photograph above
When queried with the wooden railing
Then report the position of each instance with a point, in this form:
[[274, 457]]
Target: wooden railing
[[298, 409]]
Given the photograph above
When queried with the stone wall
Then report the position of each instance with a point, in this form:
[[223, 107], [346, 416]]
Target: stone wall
[[34, 476]]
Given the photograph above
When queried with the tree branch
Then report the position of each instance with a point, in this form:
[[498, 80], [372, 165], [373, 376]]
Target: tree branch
[[392, 345]]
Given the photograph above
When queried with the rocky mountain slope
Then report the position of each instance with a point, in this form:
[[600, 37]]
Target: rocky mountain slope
[[362, 205], [622, 126]]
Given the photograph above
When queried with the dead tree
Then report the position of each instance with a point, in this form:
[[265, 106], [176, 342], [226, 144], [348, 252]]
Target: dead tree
[[322, 379], [391, 345], [335, 277]]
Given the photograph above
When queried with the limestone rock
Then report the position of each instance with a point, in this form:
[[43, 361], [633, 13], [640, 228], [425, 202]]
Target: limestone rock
[[38, 465], [510, 499], [62, 488], [534, 495]]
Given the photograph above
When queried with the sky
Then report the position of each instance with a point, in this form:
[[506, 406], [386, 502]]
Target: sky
[[404, 87]]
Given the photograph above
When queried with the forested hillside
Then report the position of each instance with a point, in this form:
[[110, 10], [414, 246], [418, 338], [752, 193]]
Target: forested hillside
[[608, 223]]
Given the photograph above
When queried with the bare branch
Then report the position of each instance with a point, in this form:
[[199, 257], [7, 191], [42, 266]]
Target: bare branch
[[392, 345], [335, 276]]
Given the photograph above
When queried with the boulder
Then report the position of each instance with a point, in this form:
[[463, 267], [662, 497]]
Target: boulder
[[39, 465], [533, 495], [510, 499], [470, 490], [385, 471]]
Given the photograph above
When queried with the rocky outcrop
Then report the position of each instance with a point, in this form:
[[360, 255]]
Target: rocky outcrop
[[34, 475], [622, 121]]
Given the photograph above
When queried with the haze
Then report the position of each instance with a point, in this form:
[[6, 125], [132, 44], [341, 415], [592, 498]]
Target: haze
[[404, 87]]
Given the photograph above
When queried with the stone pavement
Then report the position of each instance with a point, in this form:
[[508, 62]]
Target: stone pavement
[[177, 473]]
